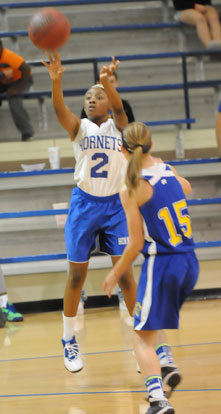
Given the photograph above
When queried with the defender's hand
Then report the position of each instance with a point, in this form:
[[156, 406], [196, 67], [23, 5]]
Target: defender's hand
[[109, 283]]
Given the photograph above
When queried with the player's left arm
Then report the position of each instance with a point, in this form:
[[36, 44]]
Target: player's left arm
[[119, 115], [135, 244], [185, 184]]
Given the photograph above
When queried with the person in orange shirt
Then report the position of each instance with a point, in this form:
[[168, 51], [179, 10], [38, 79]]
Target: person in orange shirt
[[15, 77]]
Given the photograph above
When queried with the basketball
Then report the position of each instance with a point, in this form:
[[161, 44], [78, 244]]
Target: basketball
[[49, 29]]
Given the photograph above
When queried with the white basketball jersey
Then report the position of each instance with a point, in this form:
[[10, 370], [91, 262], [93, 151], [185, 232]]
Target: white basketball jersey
[[100, 165]]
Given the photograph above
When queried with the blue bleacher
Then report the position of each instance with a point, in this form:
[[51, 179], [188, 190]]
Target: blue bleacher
[[185, 85]]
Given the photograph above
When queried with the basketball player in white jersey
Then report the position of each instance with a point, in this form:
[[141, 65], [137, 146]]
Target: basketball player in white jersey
[[95, 207]]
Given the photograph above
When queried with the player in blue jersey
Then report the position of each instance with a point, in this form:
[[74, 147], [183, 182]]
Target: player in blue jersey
[[95, 209], [159, 226]]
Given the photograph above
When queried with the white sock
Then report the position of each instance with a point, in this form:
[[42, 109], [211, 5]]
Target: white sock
[[68, 327], [164, 355], [3, 300], [155, 388]]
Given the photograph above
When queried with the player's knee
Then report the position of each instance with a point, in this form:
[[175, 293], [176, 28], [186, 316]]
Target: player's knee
[[76, 278]]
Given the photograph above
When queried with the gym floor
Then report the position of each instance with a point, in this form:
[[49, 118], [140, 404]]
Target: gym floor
[[33, 379]]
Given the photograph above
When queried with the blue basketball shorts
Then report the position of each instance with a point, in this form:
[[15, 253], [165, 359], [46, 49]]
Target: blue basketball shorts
[[90, 218], [164, 284]]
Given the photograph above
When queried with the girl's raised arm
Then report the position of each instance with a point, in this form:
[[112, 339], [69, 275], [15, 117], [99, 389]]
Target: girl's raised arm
[[66, 118], [119, 115]]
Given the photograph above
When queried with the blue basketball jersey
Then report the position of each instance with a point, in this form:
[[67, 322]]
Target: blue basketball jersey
[[167, 225]]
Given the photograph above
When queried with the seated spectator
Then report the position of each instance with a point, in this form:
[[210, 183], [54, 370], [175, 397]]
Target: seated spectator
[[15, 77], [7, 309], [202, 15], [127, 108]]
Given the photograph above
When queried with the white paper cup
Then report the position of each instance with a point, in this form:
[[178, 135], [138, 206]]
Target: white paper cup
[[54, 157], [60, 218]]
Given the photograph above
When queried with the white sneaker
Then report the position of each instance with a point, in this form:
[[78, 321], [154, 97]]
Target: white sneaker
[[214, 45], [122, 305], [72, 358], [80, 310]]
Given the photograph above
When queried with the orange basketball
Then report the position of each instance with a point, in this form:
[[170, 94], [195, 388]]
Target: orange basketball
[[49, 29]]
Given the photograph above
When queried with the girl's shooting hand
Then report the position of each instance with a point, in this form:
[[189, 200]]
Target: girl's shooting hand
[[55, 67]]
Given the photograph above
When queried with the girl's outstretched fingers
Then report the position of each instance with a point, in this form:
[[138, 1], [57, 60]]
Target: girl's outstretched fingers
[[49, 58], [57, 56], [115, 63], [54, 66]]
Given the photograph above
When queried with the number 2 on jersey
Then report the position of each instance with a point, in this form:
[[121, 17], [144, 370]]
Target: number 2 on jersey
[[104, 160], [183, 219]]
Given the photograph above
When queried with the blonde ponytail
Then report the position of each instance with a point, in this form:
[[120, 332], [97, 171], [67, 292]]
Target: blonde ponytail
[[136, 140], [133, 169]]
